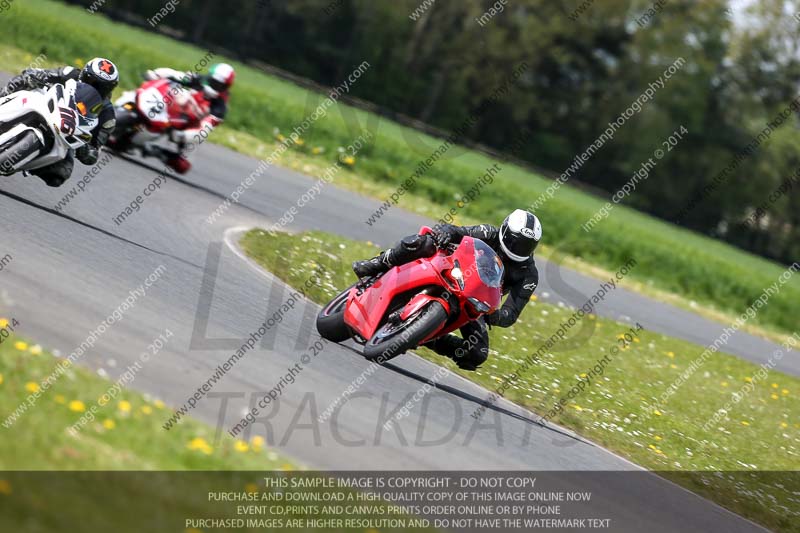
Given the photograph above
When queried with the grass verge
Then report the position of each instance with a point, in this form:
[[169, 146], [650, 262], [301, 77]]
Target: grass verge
[[761, 432], [713, 274], [126, 433]]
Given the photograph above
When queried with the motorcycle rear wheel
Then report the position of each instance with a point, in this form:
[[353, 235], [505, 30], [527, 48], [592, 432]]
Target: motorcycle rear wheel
[[13, 153], [330, 320], [392, 340]]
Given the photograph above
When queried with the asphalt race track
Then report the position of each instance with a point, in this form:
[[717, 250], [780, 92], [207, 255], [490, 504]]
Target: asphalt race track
[[70, 271]]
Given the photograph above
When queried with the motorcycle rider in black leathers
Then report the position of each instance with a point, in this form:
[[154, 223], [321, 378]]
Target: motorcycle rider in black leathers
[[514, 241], [101, 74]]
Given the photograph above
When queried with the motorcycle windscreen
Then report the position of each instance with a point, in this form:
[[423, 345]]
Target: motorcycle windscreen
[[490, 267], [88, 101]]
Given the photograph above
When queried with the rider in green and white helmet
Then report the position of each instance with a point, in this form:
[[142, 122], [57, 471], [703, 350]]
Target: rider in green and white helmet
[[215, 89]]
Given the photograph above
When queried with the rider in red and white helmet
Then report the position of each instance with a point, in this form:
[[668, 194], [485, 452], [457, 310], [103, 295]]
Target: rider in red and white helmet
[[215, 88]]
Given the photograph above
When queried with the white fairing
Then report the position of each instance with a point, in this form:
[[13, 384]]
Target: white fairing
[[52, 108]]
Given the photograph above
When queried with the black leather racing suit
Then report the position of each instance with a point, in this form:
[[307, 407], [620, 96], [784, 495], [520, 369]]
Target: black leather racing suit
[[520, 281], [56, 174]]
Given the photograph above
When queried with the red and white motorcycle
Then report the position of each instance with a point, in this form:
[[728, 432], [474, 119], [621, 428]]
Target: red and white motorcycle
[[39, 127], [147, 116]]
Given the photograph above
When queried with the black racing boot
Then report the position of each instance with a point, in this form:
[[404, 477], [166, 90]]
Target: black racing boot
[[372, 267]]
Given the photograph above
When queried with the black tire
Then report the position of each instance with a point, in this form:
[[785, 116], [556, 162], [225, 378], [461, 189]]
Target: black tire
[[330, 320], [390, 341], [13, 153]]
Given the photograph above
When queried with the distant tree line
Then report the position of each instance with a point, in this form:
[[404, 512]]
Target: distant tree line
[[588, 62]]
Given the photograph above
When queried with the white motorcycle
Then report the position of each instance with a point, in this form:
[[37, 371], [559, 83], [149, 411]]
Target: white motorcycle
[[42, 126]]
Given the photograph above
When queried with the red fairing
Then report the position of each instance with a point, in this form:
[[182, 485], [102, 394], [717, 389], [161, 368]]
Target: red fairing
[[366, 312], [165, 104]]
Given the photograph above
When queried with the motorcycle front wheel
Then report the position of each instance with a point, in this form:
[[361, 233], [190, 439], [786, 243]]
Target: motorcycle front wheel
[[330, 320], [393, 339], [19, 150]]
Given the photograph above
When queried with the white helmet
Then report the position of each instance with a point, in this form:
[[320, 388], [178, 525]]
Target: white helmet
[[519, 235]]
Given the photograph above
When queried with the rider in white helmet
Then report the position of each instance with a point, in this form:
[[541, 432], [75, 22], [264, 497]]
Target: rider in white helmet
[[514, 241], [102, 75]]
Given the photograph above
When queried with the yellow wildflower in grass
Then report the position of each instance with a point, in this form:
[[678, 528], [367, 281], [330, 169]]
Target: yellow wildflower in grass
[[3, 322], [109, 424], [257, 442], [534, 298], [1, 379], [577, 407], [200, 444], [124, 406], [745, 423], [784, 425], [251, 487], [146, 409], [287, 467], [670, 354], [77, 406], [21, 346], [748, 379], [774, 385], [673, 366], [35, 349], [774, 396], [657, 412], [657, 437], [724, 383], [5, 487], [159, 404], [300, 142], [60, 399], [241, 446], [785, 392], [31, 386], [349, 160]]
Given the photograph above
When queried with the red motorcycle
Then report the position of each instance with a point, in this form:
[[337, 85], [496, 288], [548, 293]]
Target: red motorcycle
[[418, 302], [146, 116]]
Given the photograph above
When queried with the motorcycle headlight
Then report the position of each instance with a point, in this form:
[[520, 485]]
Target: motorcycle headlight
[[458, 275], [479, 306]]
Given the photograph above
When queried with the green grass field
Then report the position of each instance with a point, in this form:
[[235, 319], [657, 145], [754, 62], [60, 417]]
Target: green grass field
[[670, 259], [760, 433]]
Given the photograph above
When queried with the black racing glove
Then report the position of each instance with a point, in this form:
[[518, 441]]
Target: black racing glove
[[87, 154], [443, 236]]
